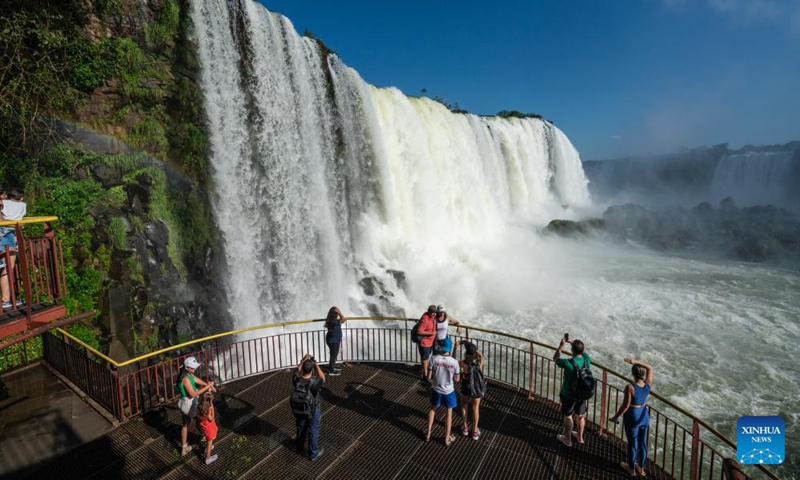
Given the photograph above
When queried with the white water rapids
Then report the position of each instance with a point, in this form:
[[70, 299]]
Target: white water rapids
[[322, 180]]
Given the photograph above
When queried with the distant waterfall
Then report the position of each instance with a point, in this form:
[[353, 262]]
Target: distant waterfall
[[755, 178], [322, 180]]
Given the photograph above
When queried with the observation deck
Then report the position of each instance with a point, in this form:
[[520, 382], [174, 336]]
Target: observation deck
[[374, 414], [36, 283]]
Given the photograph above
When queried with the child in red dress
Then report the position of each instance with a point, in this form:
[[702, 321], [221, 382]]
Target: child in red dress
[[208, 424]]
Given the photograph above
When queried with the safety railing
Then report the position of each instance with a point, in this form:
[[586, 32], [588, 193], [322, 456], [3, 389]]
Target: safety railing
[[34, 271], [683, 446]]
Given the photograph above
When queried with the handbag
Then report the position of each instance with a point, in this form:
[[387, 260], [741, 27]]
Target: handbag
[[188, 406]]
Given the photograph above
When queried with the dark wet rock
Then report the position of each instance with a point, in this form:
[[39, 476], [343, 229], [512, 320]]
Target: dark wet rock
[[752, 234], [399, 278]]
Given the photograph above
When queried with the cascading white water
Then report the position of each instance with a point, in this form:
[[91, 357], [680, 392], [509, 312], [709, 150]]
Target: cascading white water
[[754, 178], [322, 180]]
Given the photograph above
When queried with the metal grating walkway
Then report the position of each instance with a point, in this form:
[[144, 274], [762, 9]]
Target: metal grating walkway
[[373, 427]]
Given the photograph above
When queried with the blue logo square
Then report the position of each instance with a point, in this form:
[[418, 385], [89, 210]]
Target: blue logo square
[[761, 440]]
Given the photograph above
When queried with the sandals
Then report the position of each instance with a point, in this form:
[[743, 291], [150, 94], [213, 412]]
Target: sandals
[[450, 440], [564, 440], [185, 450], [627, 469], [640, 471]]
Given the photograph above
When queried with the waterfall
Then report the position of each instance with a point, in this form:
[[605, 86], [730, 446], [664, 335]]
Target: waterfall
[[755, 178], [322, 181]]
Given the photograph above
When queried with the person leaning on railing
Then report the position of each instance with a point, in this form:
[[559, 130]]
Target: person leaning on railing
[[427, 334], [333, 324], [636, 417], [190, 395], [12, 207]]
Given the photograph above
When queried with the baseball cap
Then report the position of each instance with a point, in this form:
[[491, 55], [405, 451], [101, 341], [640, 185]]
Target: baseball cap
[[470, 348], [447, 345], [440, 308], [191, 362]]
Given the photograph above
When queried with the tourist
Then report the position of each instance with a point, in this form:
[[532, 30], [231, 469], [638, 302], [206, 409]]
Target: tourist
[[442, 322], [189, 398], [13, 208], [636, 418], [426, 330], [208, 424], [572, 408], [473, 388], [443, 373], [333, 323], [305, 404]]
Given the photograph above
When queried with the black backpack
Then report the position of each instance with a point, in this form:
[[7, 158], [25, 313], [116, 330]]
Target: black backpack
[[584, 384], [477, 382], [302, 400], [415, 333]]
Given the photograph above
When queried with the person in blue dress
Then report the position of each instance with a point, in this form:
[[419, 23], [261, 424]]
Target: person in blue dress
[[636, 416]]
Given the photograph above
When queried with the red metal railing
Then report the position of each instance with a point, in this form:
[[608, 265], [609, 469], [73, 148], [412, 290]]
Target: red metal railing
[[681, 451], [37, 277]]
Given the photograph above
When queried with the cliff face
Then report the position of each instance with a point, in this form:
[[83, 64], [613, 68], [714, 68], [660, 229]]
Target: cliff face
[[116, 147]]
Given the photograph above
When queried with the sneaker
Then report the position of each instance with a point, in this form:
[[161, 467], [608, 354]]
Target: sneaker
[[2, 264], [476, 434], [212, 459], [6, 305], [319, 454], [335, 373], [465, 430]]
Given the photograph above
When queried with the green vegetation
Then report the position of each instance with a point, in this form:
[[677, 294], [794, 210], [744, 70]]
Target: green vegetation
[[517, 114], [55, 69]]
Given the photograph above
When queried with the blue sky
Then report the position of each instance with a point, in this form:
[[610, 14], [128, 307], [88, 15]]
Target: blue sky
[[620, 77]]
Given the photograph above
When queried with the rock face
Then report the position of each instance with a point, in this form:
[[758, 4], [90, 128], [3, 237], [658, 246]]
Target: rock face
[[155, 299], [752, 234]]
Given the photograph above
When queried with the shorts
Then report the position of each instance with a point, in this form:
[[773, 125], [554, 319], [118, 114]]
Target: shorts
[[424, 352], [9, 239], [449, 399], [465, 390], [573, 407]]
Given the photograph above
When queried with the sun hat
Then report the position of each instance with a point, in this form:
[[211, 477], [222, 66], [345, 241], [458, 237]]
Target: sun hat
[[191, 362], [440, 308], [447, 345]]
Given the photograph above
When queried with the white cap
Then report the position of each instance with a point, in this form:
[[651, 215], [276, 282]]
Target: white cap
[[440, 308], [191, 362]]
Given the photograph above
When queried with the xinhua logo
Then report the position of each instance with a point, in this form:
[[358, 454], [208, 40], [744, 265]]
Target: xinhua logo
[[761, 440]]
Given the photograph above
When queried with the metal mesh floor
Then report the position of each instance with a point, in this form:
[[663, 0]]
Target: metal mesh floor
[[372, 427]]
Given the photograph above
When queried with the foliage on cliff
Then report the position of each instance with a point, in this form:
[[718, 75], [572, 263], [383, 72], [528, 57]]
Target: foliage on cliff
[[121, 68]]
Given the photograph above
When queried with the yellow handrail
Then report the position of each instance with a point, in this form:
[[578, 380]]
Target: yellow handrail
[[307, 321], [27, 221]]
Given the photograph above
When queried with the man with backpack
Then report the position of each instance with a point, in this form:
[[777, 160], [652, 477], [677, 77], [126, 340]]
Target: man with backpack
[[305, 404], [577, 388]]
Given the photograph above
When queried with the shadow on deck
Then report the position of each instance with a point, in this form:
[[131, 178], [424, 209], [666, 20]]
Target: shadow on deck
[[372, 427]]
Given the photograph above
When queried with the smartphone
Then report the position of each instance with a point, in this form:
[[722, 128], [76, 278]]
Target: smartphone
[[566, 336]]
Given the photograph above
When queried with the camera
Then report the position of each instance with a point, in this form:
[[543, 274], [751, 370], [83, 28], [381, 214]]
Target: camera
[[313, 359]]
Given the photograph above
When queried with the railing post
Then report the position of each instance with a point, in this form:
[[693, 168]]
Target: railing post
[[530, 374], [603, 402], [26, 279], [693, 466]]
